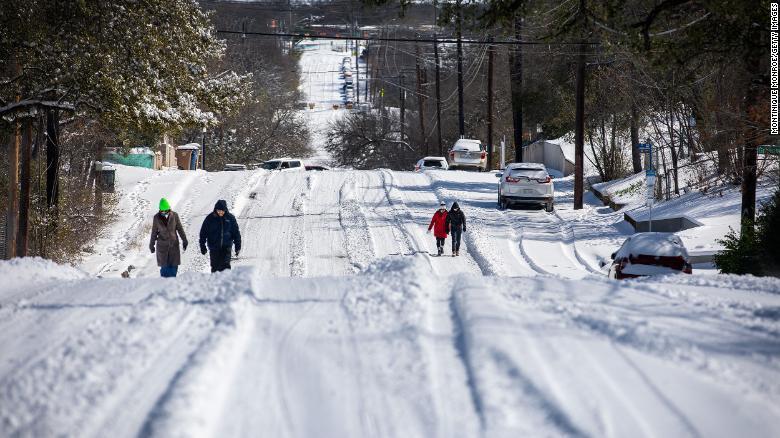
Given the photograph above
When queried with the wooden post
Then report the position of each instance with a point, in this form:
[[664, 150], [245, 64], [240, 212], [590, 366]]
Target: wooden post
[[403, 104], [22, 238]]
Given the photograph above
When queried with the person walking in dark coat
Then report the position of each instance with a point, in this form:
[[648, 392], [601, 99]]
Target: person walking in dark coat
[[439, 226], [456, 223], [218, 234], [165, 241]]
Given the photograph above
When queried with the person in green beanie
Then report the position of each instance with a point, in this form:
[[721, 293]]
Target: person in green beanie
[[165, 241]]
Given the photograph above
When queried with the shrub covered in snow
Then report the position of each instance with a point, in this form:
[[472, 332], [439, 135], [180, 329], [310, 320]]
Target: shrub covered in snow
[[754, 251]]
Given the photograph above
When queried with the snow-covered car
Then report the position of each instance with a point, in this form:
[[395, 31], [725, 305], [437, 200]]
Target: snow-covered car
[[314, 167], [431, 163], [525, 183], [285, 164], [468, 153], [646, 254], [234, 167]]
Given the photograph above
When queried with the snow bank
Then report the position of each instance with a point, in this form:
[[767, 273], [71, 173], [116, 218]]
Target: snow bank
[[20, 272]]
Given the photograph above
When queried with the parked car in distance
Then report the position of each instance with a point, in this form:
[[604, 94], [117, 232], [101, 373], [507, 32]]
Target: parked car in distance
[[431, 163], [234, 167], [645, 254], [283, 164], [525, 183], [468, 153], [315, 167]]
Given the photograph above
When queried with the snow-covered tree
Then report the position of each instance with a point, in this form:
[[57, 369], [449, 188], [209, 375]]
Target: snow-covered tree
[[135, 65]]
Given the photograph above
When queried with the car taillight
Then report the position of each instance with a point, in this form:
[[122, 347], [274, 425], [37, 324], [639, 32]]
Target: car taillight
[[544, 181], [511, 180], [452, 154], [484, 155]]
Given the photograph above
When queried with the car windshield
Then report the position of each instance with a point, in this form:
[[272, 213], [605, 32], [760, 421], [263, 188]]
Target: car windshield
[[432, 163], [270, 165], [528, 173]]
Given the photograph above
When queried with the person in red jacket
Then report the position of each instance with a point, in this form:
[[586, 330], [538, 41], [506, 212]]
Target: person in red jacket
[[439, 226]]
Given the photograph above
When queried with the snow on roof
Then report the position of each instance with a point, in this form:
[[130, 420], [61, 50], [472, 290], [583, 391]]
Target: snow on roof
[[141, 151], [567, 147], [434, 158], [189, 146]]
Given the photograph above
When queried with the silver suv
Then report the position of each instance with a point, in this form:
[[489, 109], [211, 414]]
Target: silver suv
[[525, 183], [467, 152]]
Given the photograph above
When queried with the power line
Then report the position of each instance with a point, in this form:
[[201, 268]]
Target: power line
[[404, 40]]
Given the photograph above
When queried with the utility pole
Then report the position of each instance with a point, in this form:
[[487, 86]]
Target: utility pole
[[357, 70], [490, 107], [579, 118], [461, 121], [438, 93], [420, 97], [516, 84], [12, 223], [24, 204], [579, 129], [403, 103], [365, 60]]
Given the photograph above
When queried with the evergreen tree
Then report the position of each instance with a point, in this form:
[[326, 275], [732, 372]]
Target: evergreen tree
[[135, 65]]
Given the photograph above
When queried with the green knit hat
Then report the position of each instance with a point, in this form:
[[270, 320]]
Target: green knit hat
[[164, 205]]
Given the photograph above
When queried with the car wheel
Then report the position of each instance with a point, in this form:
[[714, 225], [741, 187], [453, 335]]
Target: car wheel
[[549, 207], [503, 204]]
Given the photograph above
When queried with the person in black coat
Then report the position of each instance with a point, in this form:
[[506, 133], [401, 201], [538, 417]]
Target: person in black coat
[[456, 224], [218, 234]]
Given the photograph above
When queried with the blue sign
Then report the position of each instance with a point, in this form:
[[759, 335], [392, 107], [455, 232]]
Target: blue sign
[[650, 172], [645, 147]]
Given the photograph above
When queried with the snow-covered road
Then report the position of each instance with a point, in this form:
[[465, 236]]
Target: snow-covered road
[[518, 336], [337, 322]]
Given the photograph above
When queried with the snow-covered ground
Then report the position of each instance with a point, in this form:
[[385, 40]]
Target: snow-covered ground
[[337, 322]]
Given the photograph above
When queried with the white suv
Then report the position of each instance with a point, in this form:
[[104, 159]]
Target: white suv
[[525, 183], [283, 164], [468, 153]]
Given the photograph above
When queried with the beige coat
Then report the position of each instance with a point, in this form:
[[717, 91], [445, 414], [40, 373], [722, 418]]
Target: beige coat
[[166, 241]]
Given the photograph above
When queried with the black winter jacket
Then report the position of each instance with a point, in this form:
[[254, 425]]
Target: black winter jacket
[[220, 232], [455, 218]]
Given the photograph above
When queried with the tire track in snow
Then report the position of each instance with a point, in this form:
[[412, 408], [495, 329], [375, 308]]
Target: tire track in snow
[[297, 242], [399, 210], [358, 242], [473, 250], [551, 229]]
